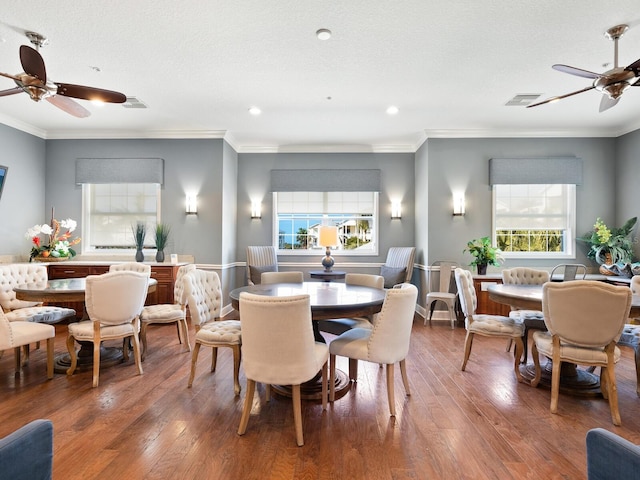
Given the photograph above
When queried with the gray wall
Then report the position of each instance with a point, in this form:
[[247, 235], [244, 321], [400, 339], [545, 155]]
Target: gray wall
[[23, 198], [627, 180], [454, 163]]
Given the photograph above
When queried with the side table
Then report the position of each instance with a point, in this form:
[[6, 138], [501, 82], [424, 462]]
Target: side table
[[327, 276]]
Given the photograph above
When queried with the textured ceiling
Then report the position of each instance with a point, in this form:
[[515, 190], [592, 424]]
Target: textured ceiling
[[450, 67]]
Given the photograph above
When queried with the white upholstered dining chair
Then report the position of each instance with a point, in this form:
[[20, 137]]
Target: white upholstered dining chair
[[386, 343], [278, 348], [113, 303], [584, 319], [131, 267]]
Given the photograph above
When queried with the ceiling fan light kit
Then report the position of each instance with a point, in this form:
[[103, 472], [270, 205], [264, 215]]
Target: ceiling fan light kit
[[611, 83], [33, 81]]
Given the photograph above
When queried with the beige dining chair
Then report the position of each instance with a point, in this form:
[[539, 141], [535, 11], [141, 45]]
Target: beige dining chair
[[260, 259], [268, 278], [483, 324], [131, 267], [278, 348], [443, 292], [203, 294], [386, 343], [113, 303], [584, 319]]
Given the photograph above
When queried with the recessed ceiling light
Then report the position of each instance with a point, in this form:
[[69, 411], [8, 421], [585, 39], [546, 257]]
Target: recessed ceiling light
[[392, 110], [323, 34], [255, 111]]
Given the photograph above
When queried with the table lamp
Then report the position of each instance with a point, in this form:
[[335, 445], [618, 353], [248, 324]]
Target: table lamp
[[328, 237]]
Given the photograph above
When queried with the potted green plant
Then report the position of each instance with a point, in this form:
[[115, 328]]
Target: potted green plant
[[483, 254], [610, 246], [162, 236], [139, 233]]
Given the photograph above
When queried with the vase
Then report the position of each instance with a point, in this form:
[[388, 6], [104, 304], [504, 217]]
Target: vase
[[160, 256], [608, 262], [482, 268], [139, 255]]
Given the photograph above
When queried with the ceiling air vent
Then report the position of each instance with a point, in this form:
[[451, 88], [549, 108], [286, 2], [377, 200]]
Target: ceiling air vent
[[521, 100], [133, 102]]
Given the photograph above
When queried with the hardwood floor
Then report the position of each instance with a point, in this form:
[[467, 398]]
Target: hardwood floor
[[475, 424]]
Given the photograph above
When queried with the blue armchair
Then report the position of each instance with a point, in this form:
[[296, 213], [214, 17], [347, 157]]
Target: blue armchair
[[611, 457], [27, 453]]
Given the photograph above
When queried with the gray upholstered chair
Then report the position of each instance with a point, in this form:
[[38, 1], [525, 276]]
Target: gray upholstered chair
[[27, 453], [113, 302], [584, 319], [169, 313], [260, 259], [443, 292], [278, 348], [611, 457], [398, 267], [203, 294], [281, 277], [18, 334], [386, 343], [485, 325]]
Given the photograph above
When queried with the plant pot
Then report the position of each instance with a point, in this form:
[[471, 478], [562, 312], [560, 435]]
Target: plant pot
[[482, 268], [139, 255], [160, 256]]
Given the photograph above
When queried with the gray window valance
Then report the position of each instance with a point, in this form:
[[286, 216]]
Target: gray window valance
[[535, 170], [120, 170], [334, 180]]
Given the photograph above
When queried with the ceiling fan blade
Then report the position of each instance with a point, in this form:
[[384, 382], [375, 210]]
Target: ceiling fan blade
[[607, 102], [32, 63], [560, 97], [634, 67], [576, 71], [11, 91], [90, 93], [68, 105]]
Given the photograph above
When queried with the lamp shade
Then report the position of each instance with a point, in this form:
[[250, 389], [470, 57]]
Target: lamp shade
[[328, 236]]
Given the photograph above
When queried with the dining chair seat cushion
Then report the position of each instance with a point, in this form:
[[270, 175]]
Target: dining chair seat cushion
[[392, 275], [167, 313], [84, 331], [223, 331], [496, 325], [522, 315], [441, 296], [572, 353], [352, 344], [44, 314], [24, 333]]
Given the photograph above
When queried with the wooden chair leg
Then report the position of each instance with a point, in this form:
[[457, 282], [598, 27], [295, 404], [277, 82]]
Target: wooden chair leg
[[452, 315], [468, 341], [18, 358], [612, 388], [136, 353], [214, 358], [236, 368], [50, 347], [179, 328], [96, 362], [536, 362], [267, 392], [390, 392], [248, 400], [324, 386], [194, 361], [297, 413], [73, 356], [405, 378], [332, 378], [519, 347], [143, 339], [185, 333], [353, 369], [555, 375]]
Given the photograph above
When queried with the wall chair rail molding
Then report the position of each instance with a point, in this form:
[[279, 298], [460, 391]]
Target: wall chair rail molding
[[120, 170]]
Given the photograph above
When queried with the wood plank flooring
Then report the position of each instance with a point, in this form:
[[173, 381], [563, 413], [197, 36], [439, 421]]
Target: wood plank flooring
[[478, 424]]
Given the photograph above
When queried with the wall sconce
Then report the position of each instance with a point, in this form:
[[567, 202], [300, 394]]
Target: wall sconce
[[458, 205], [191, 205], [396, 209], [256, 209]]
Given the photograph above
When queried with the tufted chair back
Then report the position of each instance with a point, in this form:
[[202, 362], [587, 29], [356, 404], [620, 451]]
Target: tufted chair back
[[467, 293], [14, 275], [524, 276], [178, 288], [204, 296], [102, 291], [635, 285], [131, 267]]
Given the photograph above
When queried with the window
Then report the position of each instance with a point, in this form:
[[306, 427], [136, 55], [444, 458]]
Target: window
[[534, 221], [299, 215], [111, 209]]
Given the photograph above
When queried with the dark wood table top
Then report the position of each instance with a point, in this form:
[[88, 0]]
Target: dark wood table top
[[60, 290], [328, 300]]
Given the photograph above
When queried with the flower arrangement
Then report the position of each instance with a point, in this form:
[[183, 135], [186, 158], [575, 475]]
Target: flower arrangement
[[57, 244], [484, 253], [610, 244], [162, 235]]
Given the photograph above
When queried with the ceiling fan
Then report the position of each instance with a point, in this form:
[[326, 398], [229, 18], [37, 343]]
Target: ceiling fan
[[611, 83], [34, 82]]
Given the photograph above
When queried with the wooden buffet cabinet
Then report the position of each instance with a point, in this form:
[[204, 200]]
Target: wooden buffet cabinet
[[485, 304], [164, 273]]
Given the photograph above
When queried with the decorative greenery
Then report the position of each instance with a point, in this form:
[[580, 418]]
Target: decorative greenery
[[58, 244], [162, 235], [139, 233], [483, 252], [615, 241]]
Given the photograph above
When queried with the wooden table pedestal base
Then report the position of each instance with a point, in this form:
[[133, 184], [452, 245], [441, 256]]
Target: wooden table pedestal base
[[312, 390]]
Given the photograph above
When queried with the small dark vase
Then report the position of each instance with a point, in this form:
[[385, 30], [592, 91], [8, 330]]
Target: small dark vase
[[139, 255], [160, 256], [482, 268]]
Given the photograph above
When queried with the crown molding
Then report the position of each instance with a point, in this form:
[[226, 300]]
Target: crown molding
[[133, 134], [23, 127]]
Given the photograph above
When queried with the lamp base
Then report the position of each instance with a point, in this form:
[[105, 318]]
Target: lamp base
[[327, 261]]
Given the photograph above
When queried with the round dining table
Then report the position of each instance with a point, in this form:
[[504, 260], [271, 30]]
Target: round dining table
[[573, 380], [328, 300], [65, 290]]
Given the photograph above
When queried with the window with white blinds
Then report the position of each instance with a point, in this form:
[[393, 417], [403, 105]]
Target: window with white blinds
[[299, 215], [534, 220]]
